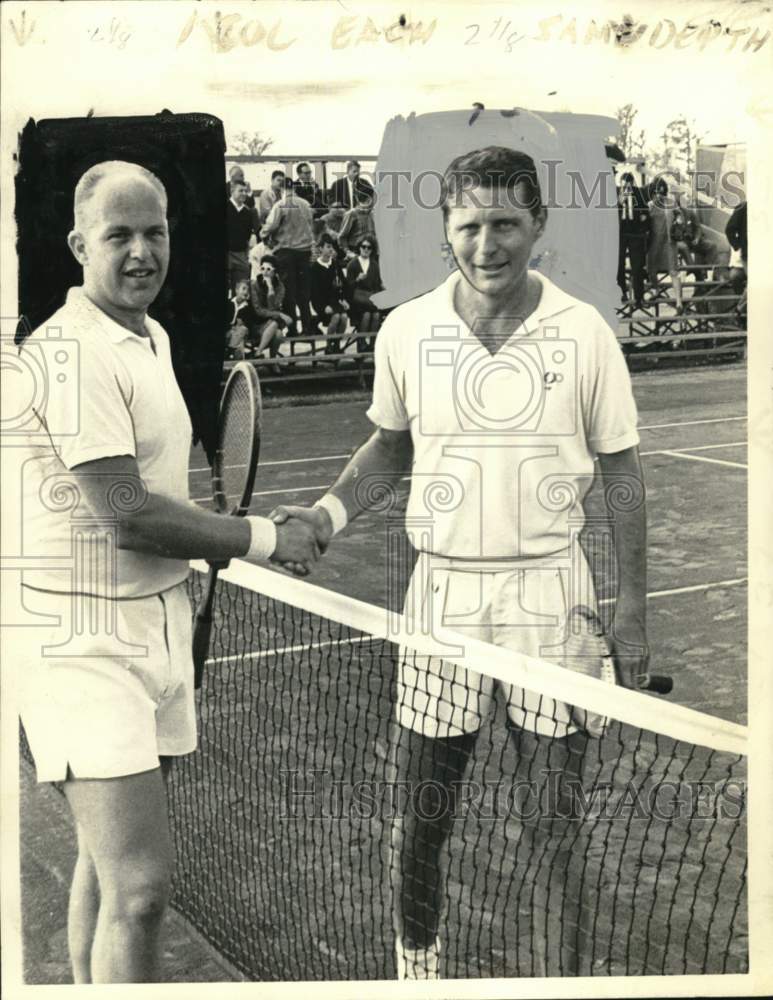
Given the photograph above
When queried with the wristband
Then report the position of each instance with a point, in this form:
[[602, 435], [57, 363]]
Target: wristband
[[262, 538], [338, 516]]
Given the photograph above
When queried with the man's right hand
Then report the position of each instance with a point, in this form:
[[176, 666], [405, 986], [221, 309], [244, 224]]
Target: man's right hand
[[296, 545], [315, 518]]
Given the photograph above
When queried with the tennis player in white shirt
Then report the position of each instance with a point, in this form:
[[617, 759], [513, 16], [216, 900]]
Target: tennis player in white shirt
[[107, 721], [497, 386]]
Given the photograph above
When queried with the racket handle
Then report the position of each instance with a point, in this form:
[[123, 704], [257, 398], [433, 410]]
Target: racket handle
[[659, 683], [202, 630], [202, 627]]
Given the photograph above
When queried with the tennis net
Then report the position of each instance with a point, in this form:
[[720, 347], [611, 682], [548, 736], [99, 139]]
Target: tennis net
[[298, 848]]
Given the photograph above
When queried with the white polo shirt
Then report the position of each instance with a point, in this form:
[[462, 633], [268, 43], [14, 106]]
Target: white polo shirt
[[108, 393], [504, 445]]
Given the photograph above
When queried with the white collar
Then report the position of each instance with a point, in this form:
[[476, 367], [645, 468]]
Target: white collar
[[114, 330], [237, 207], [324, 263], [552, 301]]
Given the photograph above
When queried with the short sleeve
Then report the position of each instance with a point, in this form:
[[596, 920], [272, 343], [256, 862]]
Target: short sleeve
[[91, 419], [610, 417], [387, 409]]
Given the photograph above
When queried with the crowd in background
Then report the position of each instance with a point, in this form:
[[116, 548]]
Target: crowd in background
[[301, 261], [661, 234]]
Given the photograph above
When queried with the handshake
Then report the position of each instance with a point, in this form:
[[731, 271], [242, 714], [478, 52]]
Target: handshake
[[302, 536]]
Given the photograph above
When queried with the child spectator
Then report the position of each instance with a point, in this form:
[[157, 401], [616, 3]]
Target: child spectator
[[327, 293]]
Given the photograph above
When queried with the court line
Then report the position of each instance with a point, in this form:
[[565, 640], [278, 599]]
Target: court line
[[335, 458], [265, 654], [694, 588], [697, 447], [704, 458], [674, 452]]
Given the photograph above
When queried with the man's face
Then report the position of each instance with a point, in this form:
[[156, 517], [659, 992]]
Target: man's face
[[123, 244], [353, 170], [239, 192], [492, 238], [326, 252], [277, 183], [305, 175]]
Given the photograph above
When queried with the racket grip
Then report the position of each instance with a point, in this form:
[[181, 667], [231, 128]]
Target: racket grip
[[201, 633], [659, 683]]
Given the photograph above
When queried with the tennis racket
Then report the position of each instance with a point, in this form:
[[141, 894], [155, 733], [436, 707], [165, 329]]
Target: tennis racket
[[587, 651], [233, 477]]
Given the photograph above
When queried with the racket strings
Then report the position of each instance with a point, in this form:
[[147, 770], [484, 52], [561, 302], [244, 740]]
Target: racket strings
[[233, 468]]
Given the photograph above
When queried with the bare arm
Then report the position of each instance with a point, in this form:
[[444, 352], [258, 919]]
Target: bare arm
[[624, 494], [147, 522], [378, 464]]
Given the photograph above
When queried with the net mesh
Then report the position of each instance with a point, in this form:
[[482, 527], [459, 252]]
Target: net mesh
[[311, 831]]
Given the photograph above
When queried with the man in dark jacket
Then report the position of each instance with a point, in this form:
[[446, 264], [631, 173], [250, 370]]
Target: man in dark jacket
[[350, 190], [634, 218]]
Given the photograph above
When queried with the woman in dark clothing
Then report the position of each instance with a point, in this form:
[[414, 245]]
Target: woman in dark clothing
[[363, 279], [267, 296]]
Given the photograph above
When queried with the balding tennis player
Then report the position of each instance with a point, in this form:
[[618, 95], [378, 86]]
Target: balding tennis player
[[498, 386], [104, 715]]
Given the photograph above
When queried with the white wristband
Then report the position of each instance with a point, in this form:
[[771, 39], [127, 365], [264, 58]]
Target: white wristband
[[263, 538], [338, 516]]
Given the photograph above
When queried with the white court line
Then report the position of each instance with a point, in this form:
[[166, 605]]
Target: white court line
[[686, 590], [335, 458], [674, 452], [264, 654], [704, 458], [691, 423], [699, 447]]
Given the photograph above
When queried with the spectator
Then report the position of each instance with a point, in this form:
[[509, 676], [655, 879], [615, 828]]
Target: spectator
[[735, 231], [700, 249], [242, 320], [357, 224], [235, 173], [290, 224], [634, 218], [363, 279], [267, 293], [308, 189], [347, 191], [327, 293], [255, 256], [661, 252], [271, 195], [241, 223]]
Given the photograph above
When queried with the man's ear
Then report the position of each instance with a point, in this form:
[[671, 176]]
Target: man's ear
[[77, 245], [541, 221]]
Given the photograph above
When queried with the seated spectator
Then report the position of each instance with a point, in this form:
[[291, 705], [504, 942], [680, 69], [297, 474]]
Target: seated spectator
[[736, 234], [357, 224], [242, 321], [308, 189], [271, 195], [699, 248], [363, 279], [327, 293], [267, 294]]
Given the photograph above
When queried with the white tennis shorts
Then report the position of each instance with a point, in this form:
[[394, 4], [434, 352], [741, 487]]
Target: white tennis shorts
[[523, 606], [107, 704]]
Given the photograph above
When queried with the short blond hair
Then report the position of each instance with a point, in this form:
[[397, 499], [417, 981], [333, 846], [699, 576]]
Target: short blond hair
[[87, 186]]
